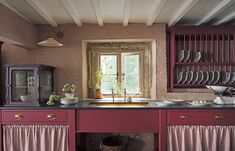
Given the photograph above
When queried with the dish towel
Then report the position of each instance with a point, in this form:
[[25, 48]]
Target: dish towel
[[201, 138], [35, 137]]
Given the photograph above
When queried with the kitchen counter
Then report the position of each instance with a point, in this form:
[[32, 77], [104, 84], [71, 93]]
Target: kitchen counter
[[84, 105]]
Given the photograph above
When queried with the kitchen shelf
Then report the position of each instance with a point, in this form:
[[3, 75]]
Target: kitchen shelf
[[202, 49]]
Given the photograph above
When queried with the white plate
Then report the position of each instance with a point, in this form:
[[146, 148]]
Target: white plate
[[232, 79], [217, 77], [168, 102], [181, 74], [212, 77], [196, 78], [175, 101], [200, 77], [185, 78], [161, 103], [227, 77], [198, 56], [181, 56], [188, 54], [190, 77], [207, 76], [198, 104]]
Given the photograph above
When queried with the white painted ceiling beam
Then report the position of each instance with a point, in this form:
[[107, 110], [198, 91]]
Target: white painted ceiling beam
[[225, 19], [97, 7], [127, 10], [156, 11], [182, 11], [72, 11], [42, 11], [220, 7], [5, 3]]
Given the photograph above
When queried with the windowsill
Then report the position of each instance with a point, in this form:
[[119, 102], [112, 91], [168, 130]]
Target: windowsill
[[116, 99]]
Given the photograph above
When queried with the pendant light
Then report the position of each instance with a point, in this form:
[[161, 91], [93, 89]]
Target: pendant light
[[51, 42]]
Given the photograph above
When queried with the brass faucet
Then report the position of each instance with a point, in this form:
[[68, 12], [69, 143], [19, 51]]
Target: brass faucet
[[113, 94], [124, 96]]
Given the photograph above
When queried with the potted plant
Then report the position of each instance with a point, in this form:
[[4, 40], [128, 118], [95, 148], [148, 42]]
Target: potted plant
[[69, 89], [99, 75]]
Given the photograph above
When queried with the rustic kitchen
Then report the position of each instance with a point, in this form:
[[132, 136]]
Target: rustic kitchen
[[128, 75]]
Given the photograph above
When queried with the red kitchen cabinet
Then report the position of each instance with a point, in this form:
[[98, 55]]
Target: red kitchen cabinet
[[201, 117], [42, 117], [117, 121]]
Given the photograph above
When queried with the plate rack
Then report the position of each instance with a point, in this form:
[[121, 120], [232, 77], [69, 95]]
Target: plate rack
[[202, 55]]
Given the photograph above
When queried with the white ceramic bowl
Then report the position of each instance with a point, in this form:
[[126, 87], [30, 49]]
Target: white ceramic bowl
[[218, 89], [26, 98], [68, 101]]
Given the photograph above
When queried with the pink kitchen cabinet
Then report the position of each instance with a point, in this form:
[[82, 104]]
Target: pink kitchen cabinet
[[118, 120], [42, 117], [201, 117]]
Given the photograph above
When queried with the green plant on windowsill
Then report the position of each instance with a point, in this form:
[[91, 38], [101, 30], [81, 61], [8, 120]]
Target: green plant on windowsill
[[69, 89], [98, 76]]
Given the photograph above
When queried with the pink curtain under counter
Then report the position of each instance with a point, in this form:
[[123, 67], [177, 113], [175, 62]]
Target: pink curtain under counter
[[201, 138], [35, 137]]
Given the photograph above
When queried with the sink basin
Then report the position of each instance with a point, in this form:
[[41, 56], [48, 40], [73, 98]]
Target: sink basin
[[118, 104]]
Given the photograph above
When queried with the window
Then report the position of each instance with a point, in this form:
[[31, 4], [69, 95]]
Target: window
[[122, 66], [121, 71]]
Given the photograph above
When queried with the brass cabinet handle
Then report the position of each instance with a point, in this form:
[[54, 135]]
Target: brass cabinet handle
[[219, 117], [51, 116], [18, 116], [184, 116]]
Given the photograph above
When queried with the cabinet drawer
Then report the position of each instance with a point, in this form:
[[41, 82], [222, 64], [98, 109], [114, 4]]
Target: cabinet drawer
[[201, 117], [117, 121], [34, 116]]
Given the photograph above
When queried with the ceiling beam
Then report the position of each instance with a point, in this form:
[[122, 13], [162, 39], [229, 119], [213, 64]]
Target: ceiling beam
[[221, 6], [69, 6], [156, 11], [5, 3], [225, 19], [97, 7], [42, 11], [127, 10], [182, 11]]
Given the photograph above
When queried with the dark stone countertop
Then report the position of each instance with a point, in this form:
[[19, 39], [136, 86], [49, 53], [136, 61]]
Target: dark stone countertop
[[83, 105]]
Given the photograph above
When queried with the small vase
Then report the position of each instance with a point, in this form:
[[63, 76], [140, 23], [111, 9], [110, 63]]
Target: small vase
[[98, 94], [69, 95]]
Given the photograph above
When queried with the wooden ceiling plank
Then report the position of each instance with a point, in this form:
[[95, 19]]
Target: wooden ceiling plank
[[69, 6], [182, 11], [225, 19], [5, 3], [127, 10], [220, 7], [42, 11], [97, 7], [156, 11]]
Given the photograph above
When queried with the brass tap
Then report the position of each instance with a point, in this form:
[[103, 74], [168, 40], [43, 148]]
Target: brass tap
[[113, 94], [124, 97]]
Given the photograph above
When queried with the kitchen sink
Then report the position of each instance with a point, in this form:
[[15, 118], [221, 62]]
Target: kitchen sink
[[119, 104]]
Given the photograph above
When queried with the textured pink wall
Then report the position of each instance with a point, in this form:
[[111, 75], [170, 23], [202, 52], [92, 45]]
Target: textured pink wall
[[16, 29], [68, 59]]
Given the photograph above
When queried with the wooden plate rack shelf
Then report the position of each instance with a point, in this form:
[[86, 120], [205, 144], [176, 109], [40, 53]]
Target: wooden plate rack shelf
[[202, 55]]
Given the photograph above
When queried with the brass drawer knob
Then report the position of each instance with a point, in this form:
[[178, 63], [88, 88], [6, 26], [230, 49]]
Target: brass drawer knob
[[18, 116], [184, 116], [51, 116], [219, 117]]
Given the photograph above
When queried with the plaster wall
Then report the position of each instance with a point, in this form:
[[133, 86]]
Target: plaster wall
[[68, 59]]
